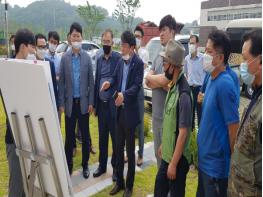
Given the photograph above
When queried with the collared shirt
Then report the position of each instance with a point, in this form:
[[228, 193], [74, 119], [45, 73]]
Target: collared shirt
[[76, 75], [193, 69], [125, 74], [232, 74], [257, 92], [219, 109], [56, 59], [144, 55], [104, 76]]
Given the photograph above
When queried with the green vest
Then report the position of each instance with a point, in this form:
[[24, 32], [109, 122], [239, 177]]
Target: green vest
[[170, 124], [246, 162]]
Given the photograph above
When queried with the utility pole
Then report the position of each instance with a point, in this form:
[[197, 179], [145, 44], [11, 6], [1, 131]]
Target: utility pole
[[6, 28]]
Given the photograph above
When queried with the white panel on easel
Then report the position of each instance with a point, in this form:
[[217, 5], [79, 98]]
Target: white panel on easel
[[27, 90]]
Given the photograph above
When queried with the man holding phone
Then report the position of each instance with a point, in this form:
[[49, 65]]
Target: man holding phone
[[127, 77]]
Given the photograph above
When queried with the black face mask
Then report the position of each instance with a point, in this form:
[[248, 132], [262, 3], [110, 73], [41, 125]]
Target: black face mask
[[106, 49], [169, 75]]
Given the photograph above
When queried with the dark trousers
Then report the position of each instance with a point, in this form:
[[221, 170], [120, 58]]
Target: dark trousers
[[78, 135], [209, 186], [15, 188], [140, 127], [176, 187], [107, 125], [197, 107], [125, 135], [70, 123]]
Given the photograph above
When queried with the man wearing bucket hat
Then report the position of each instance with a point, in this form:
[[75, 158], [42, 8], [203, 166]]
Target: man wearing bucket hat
[[174, 150]]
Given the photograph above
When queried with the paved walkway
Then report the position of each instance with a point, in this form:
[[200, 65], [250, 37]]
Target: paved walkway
[[91, 186]]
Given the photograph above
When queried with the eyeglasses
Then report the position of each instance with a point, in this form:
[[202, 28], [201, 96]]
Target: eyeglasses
[[42, 47]]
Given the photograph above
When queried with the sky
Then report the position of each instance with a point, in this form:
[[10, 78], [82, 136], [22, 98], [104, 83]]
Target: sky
[[150, 10]]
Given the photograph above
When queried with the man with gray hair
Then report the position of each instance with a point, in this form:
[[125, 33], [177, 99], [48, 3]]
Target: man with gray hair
[[174, 151]]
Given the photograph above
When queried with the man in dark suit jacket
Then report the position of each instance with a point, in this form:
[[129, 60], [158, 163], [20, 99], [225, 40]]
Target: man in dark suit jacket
[[127, 78], [76, 96], [104, 103]]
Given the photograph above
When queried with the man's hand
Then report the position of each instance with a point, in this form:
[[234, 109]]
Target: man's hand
[[160, 152], [119, 100], [171, 171], [200, 97], [61, 109], [90, 109], [148, 80], [105, 86]]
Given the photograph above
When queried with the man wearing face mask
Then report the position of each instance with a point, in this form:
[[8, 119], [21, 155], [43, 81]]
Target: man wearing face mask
[[176, 156], [127, 80], [167, 30], [24, 46], [144, 55], [193, 69], [76, 96], [41, 51], [53, 41], [220, 119], [246, 162], [104, 104]]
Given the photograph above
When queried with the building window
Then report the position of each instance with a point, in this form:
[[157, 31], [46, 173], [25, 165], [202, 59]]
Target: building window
[[233, 16]]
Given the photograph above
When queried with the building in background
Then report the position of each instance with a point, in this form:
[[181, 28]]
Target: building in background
[[216, 14]]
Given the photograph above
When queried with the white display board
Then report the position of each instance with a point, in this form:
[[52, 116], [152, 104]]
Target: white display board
[[27, 89]]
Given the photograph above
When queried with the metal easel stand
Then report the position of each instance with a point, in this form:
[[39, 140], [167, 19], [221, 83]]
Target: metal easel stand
[[36, 159]]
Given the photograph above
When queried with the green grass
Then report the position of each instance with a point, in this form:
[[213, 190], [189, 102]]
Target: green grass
[[144, 184], [77, 160], [3, 162]]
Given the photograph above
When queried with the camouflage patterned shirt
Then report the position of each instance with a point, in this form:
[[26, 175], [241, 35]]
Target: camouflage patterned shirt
[[246, 162]]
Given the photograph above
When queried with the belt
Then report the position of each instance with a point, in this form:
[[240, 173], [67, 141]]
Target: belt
[[195, 86], [76, 100], [102, 101]]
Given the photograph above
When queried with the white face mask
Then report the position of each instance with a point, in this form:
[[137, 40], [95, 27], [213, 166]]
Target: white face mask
[[41, 53], [52, 47], [207, 63], [31, 56], [126, 57], [192, 48], [76, 45], [138, 42]]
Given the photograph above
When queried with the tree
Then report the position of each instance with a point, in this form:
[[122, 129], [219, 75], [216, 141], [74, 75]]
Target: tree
[[125, 12], [92, 16]]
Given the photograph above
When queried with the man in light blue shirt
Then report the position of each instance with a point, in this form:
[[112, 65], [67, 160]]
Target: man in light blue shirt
[[76, 75], [76, 97], [53, 41], [193, 69], [124, 75]]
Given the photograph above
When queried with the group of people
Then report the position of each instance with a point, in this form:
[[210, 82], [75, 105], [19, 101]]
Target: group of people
[[229, 150]]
